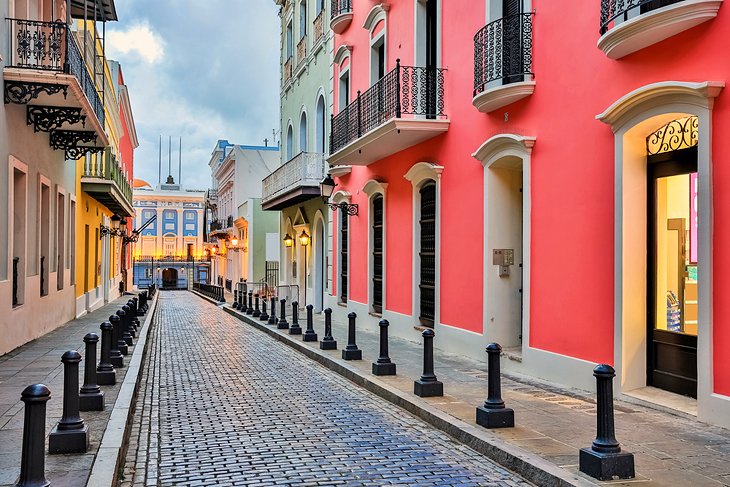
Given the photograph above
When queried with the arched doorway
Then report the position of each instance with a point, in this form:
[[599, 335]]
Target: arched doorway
[[169, 278], [318, 266]]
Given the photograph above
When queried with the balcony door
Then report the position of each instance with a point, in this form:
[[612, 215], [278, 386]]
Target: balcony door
[[377, 239], [512, 41], [427, 51]]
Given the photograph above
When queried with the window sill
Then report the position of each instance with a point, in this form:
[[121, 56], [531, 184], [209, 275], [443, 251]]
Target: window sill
[[655, 26]]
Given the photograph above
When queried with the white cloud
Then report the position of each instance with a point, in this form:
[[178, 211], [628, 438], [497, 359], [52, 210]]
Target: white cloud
[[139, 39]]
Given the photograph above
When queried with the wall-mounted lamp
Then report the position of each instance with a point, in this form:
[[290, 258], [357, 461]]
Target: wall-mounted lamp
[[114, 230], [288, 241], [326, 188], [304, 238]]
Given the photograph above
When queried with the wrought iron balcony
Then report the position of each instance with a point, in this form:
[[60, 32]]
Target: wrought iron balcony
[[503, 62], [627, 26], [294, 181], [216, 225], [616, 11], [341, 15], [405, 107], [104, 179]]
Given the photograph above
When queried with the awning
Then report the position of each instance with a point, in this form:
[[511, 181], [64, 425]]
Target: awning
[[104, 9]]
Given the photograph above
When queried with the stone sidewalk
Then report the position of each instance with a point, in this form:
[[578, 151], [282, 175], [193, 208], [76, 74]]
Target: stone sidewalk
[[551, 422], [39, 361]]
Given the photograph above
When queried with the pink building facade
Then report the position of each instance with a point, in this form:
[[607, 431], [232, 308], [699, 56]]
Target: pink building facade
[[548, 181]]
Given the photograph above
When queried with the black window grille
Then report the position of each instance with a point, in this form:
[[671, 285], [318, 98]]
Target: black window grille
[[344, 230], [427, 254], [16, 262], [44, 291], [378, 254], [272, 274]]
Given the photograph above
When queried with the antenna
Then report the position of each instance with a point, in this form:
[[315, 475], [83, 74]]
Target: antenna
[[179, 166], [159, 164], [169, 155]]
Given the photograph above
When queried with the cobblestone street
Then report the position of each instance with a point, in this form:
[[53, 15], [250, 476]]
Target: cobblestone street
[[224, 404]]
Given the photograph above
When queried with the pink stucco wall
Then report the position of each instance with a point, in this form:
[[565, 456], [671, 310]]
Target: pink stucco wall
[[572, 171]]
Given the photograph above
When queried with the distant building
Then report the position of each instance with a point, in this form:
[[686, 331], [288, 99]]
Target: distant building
[[242, 237], [170, 250]]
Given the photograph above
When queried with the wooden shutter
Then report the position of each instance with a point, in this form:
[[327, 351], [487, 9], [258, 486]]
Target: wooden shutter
[[427, 254], [378, 254]]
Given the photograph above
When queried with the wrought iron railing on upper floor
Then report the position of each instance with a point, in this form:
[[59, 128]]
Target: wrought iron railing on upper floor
[[304, 169], [51, 46], [503, 51], [170, 258], [616, 11], [406, 90], [105, 166], [340, 7]]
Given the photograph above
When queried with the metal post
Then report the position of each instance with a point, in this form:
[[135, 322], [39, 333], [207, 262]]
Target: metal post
[[126, 319], [494, 414], [235, 298], [351, 352], [256, 310], [115, 356], [383, 366], [295, 329], [131, 317], [604, 460], [428, 385], [282, 324], [264, 315], [397, 89], [249, 309], [272, 316], [121, 342], [90, 396], [310, 335], [328, 343], [71, 434], [359, 116], [33, 456], [105, 373]]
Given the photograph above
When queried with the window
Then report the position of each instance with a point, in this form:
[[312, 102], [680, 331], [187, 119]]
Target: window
[[303, 133], [344, 90], [344, 220], [302, 19], [45, 229], [60, 241], [320, 128], [289, 41], [427, 254], [377, 239], [289, 143], [20, 193]]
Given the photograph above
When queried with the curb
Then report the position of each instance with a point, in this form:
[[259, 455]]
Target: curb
[[530, 466], [108, 458]]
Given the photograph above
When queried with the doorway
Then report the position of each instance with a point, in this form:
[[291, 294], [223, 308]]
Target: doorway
[[427, 255], [319, 269], [672, 271], [169, 278], [512, 41]]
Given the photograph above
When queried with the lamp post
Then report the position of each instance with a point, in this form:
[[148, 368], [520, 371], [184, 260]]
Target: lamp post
[[304, 242]]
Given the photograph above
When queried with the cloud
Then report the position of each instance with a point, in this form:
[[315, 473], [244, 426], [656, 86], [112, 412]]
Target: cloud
[[139, 39]]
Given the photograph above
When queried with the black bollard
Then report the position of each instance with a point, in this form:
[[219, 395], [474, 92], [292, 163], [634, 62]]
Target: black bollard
[[272, 316], [428, 385], [328, 343], [310, 335], [295, 329], [71, 434], [115, 355], [264, 315], [249, 309], [121, 342], [136, 324], [130, 322], [282, 324], [351, 352], [137, 311], [33, 456], [604, 460], [494, 414], [126, 324], [105, 373], [235, 299], [90, 396], [256, 310], [383, 366]]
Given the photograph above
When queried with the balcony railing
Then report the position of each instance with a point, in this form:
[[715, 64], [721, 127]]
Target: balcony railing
[[171, 258], [108, 168], [616, 11], [304, 169], [51, 46], [318, 29], [301, 50], [216, 225], [406, 90], [503, 51], [340, 7], [287, 69]]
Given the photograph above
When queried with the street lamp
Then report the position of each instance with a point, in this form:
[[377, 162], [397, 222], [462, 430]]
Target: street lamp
[[114, 230], [288, 240], [304, 242], [326, 188]]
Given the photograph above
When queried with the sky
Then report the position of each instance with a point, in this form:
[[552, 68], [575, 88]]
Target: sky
[[202, 71]]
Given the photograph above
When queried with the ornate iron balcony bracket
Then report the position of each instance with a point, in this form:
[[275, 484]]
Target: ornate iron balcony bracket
[[47, 119], [348, 208], [69, 141], [22, 92]]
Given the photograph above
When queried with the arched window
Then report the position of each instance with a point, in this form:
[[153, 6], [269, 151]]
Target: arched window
[[303, 133], [320, 128], [289, 143]]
